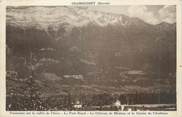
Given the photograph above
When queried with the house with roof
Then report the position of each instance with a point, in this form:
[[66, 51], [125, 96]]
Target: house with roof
[[118, 105], [77, 105]]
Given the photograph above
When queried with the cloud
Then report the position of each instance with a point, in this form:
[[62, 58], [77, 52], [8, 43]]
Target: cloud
[[168, 14], [43, 17], [153, 14], [164, 14], [143, 13]]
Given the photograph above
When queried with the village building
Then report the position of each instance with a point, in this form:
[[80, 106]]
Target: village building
[[75, 76], [77, 105], [118, 105], [135, 73]]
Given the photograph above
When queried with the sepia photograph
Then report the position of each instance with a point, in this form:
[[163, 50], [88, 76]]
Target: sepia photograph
[[91, 58]]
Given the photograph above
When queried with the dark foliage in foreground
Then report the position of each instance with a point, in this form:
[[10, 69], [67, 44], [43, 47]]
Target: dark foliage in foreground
[[66, 102]]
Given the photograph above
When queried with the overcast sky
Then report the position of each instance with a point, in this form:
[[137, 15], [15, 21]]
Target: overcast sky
[[153, 14]]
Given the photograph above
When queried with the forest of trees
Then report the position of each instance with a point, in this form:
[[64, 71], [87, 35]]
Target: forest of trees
[[66, 102], [88, 50]]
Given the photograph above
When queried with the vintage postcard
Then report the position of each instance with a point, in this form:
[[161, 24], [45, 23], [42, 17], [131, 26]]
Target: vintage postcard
[[91, 58]]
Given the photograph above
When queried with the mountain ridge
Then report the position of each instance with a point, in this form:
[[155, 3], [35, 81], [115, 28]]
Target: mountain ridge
[[95, 52], [77, 17]]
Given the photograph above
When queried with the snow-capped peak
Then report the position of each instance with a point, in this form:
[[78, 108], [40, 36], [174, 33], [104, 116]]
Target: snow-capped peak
[[45, 17]]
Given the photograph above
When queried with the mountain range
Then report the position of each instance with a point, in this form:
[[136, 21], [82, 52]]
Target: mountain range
[[85, 51]]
